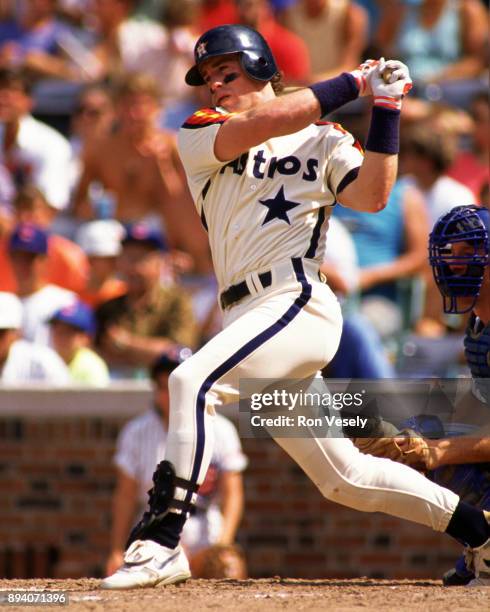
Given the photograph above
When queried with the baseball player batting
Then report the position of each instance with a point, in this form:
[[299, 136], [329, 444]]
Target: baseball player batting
[[264, 173]]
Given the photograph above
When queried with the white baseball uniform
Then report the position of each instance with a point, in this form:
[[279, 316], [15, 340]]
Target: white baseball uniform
[[267, 215]]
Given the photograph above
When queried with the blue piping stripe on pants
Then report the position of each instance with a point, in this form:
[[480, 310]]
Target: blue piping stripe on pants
[[240, 355]]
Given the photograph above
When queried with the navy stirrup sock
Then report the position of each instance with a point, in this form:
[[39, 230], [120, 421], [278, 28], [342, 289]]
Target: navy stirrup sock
[[469, 525]]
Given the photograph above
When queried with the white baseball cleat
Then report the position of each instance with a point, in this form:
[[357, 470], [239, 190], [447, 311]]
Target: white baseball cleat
[[148, 564]]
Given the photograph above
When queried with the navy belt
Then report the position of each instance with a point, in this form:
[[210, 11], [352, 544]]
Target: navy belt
[[237, 292]]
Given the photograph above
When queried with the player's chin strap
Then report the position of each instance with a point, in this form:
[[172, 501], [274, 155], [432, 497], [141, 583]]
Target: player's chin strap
[[162, 500]]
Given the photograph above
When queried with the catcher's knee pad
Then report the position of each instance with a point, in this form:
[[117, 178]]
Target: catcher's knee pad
[[162, 500]]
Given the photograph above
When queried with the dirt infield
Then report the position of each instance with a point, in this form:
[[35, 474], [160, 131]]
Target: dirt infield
[[265, 594]]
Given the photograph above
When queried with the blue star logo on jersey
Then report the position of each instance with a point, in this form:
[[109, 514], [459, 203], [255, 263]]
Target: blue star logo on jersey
[[278, 207]]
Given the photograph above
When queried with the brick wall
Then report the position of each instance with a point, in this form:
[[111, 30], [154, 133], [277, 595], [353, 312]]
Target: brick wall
[[56, 480]]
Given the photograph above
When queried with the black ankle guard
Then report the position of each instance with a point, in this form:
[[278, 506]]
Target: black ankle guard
[[162, 500]]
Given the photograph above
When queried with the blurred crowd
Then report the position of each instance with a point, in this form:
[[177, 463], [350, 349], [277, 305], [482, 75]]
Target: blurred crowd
[[104, 265], [105, 271]]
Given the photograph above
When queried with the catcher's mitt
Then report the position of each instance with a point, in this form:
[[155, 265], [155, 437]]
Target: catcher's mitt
[[219, 561], [407, 447]]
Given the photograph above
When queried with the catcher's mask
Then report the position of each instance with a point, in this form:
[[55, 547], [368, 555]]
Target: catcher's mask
[[460, 274], [256, 57]]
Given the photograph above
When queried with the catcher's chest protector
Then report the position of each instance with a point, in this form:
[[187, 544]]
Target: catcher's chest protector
[[477, 348]]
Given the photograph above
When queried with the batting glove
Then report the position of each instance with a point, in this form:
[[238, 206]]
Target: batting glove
[[390, 81], [361, 74]]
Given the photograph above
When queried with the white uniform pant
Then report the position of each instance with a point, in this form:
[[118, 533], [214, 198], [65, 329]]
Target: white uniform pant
[[290, 331]]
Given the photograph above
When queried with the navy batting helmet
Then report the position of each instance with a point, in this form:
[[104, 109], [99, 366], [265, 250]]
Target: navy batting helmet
[[459, 272], [255, 55]]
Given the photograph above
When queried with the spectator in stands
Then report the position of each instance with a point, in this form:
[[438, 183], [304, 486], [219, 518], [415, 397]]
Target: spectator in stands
[[150, 317], [169, 62], [38, 41], [101, 242], [22, 361], [215, 13], [360, 353], [141, 446], [92, 119], [28, 248], [33, 152], [391, 246], [66, 265], [122, 38], [140, 165], [72, 330], [335, 32], [471, 166], [425, 158], [290, 50], [163, 50], [440, 40]]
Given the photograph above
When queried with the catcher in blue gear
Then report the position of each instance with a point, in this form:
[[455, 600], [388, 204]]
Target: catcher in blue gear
[[459, 254]]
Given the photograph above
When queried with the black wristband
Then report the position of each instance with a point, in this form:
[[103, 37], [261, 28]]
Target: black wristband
[[384, 131], [334, 93]]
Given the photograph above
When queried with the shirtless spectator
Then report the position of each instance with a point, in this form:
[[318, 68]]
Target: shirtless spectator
[[93, 118], [335, 32], [66, 264], [101, 242], [139, 164], [33, 152], [28, 247], [151, 317]]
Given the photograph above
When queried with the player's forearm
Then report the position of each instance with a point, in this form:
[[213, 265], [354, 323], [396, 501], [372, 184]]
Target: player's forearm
[[50, 66], [141, 350], [283, 115], [405, 266], [453, 451], [232, 510], [467, 67]]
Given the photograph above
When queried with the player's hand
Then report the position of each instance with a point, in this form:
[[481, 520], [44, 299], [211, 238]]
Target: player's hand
[[361, 74], [416, 452], [117, 338], [390, 81]]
